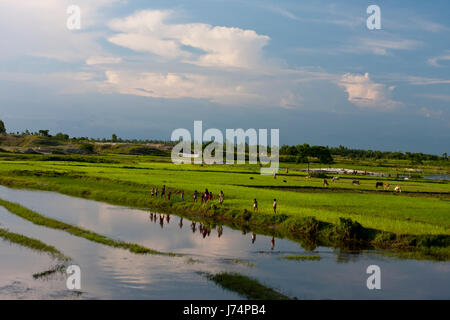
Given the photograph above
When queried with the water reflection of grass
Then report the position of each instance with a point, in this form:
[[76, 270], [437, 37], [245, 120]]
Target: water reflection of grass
[[246, 286], [60, 268], [302, 258], [38, 219], [192, 261], [247, 263]]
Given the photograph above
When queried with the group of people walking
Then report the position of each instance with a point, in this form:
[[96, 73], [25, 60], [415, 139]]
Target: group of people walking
[[204, 197], [207, 196], [154, 193]]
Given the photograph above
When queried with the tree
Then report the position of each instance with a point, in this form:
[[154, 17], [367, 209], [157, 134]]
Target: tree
[[322, 153], [2, 127], [61, 136], [43, 133], [114, 137], [302, 158]]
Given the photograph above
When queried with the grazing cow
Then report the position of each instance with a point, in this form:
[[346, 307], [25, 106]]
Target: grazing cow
[[325, 183], [355, 182], [378, 184], [398, 189], [386, 186], [335, 179]]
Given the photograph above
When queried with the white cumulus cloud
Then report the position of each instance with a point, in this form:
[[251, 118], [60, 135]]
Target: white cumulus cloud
[[213, 46], [365, 93]]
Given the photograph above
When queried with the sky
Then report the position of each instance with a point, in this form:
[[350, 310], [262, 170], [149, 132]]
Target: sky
[[312, 69]]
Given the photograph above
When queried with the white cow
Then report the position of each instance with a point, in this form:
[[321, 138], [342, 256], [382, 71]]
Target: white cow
[[398, 189]]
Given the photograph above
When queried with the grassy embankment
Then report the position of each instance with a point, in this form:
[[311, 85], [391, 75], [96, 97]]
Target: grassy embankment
[[40, 220], [246, 287], [418, 218], [37, 245], [32, 243]]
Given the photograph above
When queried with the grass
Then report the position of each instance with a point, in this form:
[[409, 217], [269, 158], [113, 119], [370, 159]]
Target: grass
[[422, 210], [32, 243], [40, 220], [246, 287], [302, 257]]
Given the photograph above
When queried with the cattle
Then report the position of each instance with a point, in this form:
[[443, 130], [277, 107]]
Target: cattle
[[325, 183], [355, 182], [335, 179], [398, 189], [378, 184], [386, 186]]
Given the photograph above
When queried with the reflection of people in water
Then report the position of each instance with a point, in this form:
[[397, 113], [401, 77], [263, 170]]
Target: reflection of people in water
[[151, 216], [219, 231], [193, 227], [161, 221], [168, 218], [272, 243], [181, 223], [204, 232], [253, 237]]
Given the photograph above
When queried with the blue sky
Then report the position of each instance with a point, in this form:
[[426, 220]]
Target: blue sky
[[141, 69]]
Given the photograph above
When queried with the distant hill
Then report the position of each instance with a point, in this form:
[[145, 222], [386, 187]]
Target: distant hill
[[38, 144]]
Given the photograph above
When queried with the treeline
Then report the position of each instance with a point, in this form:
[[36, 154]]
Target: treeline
[[301, 152], [63, 137]]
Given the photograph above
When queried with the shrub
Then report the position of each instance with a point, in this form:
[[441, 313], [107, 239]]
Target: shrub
[[307, 226], [88, 147], [347, 229]]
